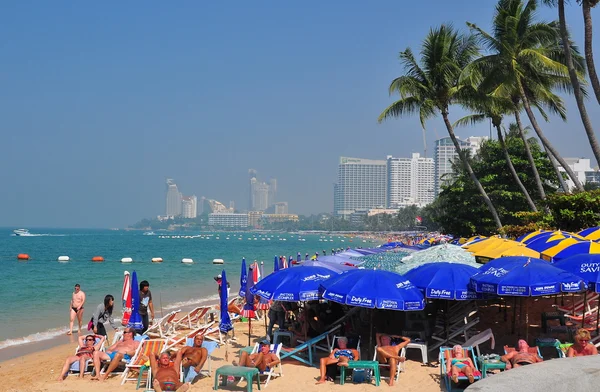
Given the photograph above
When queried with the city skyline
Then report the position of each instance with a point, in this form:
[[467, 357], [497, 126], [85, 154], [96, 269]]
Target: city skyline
[[97, 111]]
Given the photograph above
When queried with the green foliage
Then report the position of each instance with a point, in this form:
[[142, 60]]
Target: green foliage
[[574, 212], [460, 210]]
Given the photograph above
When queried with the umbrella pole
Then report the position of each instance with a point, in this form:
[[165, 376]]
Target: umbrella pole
[[249, 329], [371, 329], [514, 318], [505, 310], [584, 308], [446, 320], [526, 318]]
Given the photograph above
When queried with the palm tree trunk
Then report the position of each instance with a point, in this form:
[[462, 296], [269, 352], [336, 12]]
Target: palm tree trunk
[[543, 137], [587, 124], [513, 171], [589, 54], [469, 169], [536, 174], [559, 175]]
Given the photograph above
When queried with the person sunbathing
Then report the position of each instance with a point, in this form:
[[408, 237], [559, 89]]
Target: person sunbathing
[[388, 351], [459, 363], [582, 345], [166, 374], [264, 360], [193, 358], [520, 357], [339, 356], [123, 349], [85, 351]]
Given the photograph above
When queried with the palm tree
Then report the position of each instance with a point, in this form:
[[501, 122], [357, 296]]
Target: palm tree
[[487, 107], [523, 54], [577, 91], [433, 85]]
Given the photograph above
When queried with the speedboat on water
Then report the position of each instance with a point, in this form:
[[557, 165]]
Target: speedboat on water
[[149, 233], [22, 232]]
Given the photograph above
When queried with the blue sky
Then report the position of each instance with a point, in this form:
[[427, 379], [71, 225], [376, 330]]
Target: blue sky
[[101, 101]]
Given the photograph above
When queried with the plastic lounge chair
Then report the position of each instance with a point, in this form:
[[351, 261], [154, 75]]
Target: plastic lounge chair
[[145, 350], [484, 336], [210, 347], [580, 305], [446, 369], [277, 371], [118, 336], [399, 368], [309, 345], [350, 343], [164, 327], [454, 331], [192, 319], [176, 343], [74, 369]]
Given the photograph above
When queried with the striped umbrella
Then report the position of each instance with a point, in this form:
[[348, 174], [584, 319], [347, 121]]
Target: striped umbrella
[[582, 247], [248, 310], [591, 233], [126, 298]]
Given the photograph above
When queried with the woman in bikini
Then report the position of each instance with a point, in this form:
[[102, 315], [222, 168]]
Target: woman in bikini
[[339, 356], [459, 363], [582, 345], [85, 351]]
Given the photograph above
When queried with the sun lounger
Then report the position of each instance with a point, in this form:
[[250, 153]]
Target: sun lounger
[[277, 371], [445, 368], [455, 332], [194, 319], [145, 350], [74, 369], [400, 367], [175, 343], [580, 305], [190, 374], [309, 346], [482, 337], [164, 327]]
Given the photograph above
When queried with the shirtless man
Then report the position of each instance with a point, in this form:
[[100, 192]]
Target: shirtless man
[[340, 356], [262, 360], [193, 358], [76, 309], [389, 353], [520, 357], [166, 377], [122, 349]]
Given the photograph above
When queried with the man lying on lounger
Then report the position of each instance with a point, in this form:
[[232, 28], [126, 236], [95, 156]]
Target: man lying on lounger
[[166, 375], [263, 360], [124, 348], [520, 357], [193, 358]]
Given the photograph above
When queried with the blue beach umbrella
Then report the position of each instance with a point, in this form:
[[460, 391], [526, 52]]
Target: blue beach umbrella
[[276, 264], [443, 280], [588, 231], [135, 320], [373, 289], [337, 268], [243, 278], [248, 310], [583, 247], [587, 266], [292, 284], [523, 277], [225, 323], [337, 259]]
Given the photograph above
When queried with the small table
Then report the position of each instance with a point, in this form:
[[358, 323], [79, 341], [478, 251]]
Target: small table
[[281, 333], [421, 346], [373, 365], [490, 364], [238, 371]]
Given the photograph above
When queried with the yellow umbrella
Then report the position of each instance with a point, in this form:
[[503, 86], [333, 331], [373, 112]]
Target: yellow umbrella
[[579, 247], [482, 244], [462, 241], [549, 253], [494, 252], [593, 236], [532, 235]]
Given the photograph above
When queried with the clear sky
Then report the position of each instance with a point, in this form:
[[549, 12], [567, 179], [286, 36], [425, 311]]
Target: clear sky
[[100, 102]]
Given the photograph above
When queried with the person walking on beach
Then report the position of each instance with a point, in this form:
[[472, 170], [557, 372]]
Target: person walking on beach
[[103, 314], [76, 309], [145, 304]]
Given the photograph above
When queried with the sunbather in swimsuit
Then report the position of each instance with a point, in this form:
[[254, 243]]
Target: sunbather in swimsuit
[[460, 362], [344, 353], [523, 359]]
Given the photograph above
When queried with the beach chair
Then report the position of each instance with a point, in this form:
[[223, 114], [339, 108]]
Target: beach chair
[[277, 371], [192, 319], [445, 368], [532, 350], [210, 347], [175, 343], [481, 337], [124, 362], [352, 343], [309, 346], [461, 328], [74, 369], [401, 367], [140, 358], [163, 327], [580, 305]]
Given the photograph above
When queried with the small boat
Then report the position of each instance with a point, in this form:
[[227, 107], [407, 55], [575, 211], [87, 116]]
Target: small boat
[[63, 259], [157, 260], [149, 233], [22, 232], [126, 260], [187, 261], [218, 261]]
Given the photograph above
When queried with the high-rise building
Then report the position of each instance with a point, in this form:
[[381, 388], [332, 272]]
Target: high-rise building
[[173, 199], [252, 173], [445, 153], [361, 184], [189, 207], [272, 191], [410, 181], [262, 195], [281, 207]]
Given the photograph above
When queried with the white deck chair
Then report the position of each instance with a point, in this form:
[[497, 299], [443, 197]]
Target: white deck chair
[[277, 371], [192, 319], [334, 342], [401, 367], [580, 305], [210, 347], [476, 340], [163, 328], [175, 343]]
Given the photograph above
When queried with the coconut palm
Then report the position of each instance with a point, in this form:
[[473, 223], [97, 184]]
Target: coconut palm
[[432, 85], [587, 6], [523, 53], [494, 109]]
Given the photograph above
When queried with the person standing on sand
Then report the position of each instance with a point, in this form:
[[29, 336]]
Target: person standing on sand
[[145, 304], [76, 308]]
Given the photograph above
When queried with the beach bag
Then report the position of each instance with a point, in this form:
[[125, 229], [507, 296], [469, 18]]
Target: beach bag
[[360, 376], [91, 324]]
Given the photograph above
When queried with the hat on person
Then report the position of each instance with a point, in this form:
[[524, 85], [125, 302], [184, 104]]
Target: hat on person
[[218, 277]]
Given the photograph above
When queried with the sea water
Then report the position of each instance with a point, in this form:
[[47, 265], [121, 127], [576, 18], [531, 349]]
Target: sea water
[[35, 295]]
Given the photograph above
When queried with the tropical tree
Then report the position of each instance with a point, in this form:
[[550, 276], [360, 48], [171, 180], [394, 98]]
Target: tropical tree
[[577, 90], [525, 59], [587, 6], [488, 107], [432, 86]]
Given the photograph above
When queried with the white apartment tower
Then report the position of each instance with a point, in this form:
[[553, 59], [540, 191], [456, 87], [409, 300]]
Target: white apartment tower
[[361, 184], [262, 194], [410, 181], [445, 153], [174, 198], [189, 207]]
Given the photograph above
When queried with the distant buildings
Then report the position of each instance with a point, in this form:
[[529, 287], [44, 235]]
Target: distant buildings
[[445, 153], [582, 169], [226, 219], [177, 204], [262, 194], [189, 207], [361, 184], [281, 207], [410, 181]]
